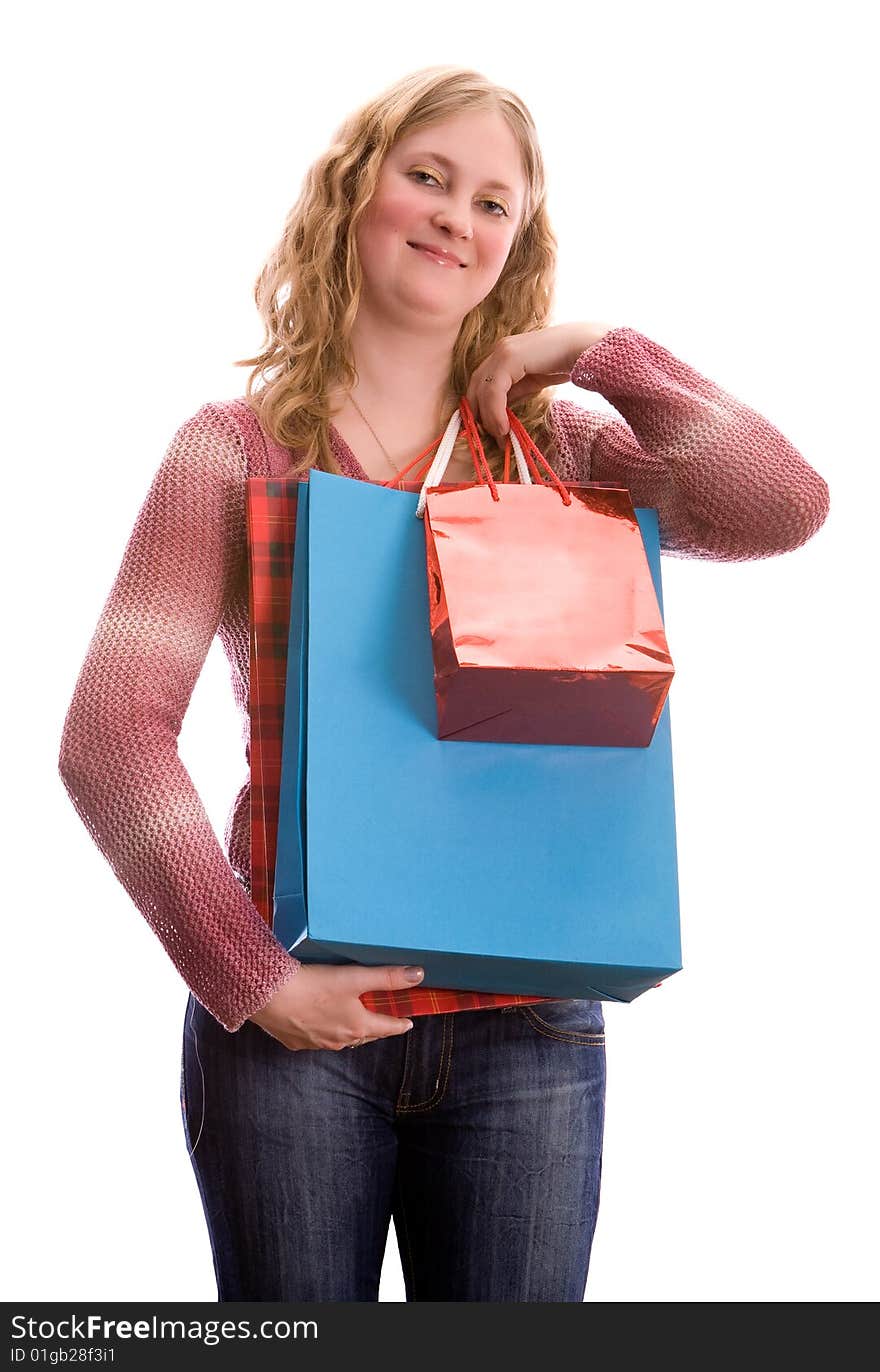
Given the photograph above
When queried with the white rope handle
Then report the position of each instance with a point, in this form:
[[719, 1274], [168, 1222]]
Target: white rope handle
[[434, 475]]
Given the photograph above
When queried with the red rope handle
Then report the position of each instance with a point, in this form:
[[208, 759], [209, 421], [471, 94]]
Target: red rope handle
[[528, 448], [416, 460], [470, 433], [481, 462]]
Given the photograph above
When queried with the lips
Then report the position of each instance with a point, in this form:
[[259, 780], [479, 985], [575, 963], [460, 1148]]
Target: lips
[[438, 255]]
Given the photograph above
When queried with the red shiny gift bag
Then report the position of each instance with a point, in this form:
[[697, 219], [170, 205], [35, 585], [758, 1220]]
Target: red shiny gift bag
[[545, 624]]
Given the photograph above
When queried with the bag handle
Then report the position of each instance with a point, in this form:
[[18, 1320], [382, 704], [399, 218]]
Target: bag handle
[[437, 469], [518, 437], [517, 430], [423, 462], [474, 443], [523, 448]]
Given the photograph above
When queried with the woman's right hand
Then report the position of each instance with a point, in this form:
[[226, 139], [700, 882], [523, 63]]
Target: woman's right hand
[[320, 1006]]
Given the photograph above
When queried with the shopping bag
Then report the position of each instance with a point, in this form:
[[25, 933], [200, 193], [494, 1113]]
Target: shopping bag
[[545, 623], [271, 508], [541, 870]]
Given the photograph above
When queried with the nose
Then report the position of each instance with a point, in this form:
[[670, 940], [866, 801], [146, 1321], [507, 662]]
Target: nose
[[456, 222]]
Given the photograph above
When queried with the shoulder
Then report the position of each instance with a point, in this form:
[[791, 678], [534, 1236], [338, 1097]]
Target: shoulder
[[236, 418], [215, 423], [232, 426], [211, 453], [265, 457]]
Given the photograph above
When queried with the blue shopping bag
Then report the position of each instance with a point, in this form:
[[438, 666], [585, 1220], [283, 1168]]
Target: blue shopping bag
[[531, 869]]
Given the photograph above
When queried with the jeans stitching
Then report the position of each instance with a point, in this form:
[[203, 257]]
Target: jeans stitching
[[202, 1071], [405, 1069], [562, 1035], [445, 1067]]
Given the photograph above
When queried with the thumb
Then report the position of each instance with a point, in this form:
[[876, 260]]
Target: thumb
[[387, 978]]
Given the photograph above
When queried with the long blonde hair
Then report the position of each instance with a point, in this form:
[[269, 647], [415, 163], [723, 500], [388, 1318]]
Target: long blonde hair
[[308, 291]]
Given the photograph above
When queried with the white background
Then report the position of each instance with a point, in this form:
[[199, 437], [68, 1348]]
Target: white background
[[709, 178]]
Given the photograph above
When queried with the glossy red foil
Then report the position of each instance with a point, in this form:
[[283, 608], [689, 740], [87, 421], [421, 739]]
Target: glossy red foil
[[545, 623]]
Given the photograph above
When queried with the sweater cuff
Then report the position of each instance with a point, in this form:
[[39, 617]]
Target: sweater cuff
[[233, 1016], [582, 373]]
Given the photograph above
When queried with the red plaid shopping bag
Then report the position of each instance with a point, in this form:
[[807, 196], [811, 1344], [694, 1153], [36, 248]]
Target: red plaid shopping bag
[[271, 526]]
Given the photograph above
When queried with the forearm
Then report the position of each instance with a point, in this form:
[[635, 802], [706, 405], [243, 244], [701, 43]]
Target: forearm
[[586, 333]]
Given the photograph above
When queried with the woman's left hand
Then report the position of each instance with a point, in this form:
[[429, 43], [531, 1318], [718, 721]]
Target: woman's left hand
[[523, 364]]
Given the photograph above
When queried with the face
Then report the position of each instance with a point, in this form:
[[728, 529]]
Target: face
[[442, 187]]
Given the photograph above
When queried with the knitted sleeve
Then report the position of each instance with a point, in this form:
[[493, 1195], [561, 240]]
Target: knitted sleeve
[[119, 760], [726, 484]]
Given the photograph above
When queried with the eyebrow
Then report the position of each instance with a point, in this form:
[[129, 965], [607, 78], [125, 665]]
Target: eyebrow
[[450, 166]]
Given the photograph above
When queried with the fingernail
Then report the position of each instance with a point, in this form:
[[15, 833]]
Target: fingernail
[[409, 1025], [413, 973]]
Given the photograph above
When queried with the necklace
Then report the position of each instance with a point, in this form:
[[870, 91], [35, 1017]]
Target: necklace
[[373, 431]]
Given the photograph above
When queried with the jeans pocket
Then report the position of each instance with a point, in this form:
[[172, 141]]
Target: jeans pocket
[[568, 1021]]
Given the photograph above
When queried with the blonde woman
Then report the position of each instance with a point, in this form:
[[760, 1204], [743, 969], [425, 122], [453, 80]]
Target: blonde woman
[[416, 266]]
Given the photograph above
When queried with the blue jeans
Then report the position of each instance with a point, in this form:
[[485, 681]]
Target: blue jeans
[[479, 1131]]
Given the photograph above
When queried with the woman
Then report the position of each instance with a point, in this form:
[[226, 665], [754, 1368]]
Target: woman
[[417, 266]]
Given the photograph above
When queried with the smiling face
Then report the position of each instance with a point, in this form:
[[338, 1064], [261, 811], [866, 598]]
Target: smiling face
[[457, 185]]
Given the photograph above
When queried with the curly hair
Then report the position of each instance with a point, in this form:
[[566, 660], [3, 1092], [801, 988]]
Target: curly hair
[[308, 291]]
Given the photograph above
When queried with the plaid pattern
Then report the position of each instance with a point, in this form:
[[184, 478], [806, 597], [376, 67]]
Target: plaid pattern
[[271, 529]]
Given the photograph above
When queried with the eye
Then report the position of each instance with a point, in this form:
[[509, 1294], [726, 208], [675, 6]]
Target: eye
[[432, 177]]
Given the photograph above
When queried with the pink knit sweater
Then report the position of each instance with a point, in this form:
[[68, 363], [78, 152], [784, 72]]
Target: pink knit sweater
[[726, 484]]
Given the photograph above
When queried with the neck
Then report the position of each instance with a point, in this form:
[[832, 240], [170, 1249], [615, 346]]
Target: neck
[[397, 361]]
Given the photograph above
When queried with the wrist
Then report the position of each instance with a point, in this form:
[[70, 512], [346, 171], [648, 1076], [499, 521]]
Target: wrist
[[587, 335]]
